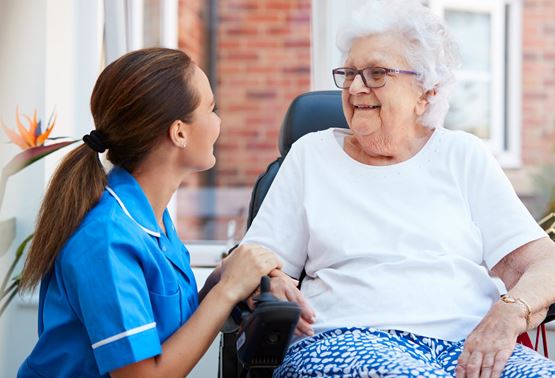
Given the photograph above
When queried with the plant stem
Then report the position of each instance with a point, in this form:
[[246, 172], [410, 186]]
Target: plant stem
[[13, 286], [7, 302]]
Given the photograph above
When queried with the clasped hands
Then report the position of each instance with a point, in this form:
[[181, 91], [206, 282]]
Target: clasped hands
[[286, 288]]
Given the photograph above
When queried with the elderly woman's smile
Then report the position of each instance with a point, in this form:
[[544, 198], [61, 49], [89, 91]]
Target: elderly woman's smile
[[366, 107]]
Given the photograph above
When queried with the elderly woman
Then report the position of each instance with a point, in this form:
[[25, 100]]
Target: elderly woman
[[403, 226]]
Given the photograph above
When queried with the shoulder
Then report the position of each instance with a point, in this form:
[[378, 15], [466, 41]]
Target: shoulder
[[313, 141], [461, 145], [459, 138], [104, 230]]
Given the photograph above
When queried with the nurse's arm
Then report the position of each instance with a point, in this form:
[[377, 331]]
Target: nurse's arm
[[240, 274], [182, 351]]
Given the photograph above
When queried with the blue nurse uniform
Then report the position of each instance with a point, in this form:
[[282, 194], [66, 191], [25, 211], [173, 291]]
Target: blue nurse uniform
[[119, 288]]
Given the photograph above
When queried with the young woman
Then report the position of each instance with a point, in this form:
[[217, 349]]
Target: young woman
[[117, 294]]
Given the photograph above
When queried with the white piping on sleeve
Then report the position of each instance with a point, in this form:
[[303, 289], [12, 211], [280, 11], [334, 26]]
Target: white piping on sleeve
[[121, 335], [150, 232]]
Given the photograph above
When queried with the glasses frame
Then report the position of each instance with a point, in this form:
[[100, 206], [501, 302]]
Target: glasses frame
[[387, 71]]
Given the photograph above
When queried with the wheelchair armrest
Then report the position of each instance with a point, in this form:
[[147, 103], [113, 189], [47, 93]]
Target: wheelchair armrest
[[550, 314]]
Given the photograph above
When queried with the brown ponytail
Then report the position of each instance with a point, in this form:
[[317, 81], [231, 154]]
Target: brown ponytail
[[75, 187], [135, 100]]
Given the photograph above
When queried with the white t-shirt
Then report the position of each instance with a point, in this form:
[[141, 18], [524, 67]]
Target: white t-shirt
[[405, 246]]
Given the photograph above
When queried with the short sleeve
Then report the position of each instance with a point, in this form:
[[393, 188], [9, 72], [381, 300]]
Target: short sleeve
[[502, 218], [106, 286], [280, 224]]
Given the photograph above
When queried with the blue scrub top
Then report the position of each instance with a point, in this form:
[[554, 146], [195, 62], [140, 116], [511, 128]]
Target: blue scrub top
[[119, 288]]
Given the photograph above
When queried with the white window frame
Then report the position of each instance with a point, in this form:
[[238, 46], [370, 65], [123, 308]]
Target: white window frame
[[125, 26], [505, 113]]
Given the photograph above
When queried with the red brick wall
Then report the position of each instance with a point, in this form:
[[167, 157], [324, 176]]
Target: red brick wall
[[538, 108], [263, 63]]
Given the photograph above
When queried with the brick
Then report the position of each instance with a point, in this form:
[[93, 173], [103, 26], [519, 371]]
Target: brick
[[242, 31], [261, 94]]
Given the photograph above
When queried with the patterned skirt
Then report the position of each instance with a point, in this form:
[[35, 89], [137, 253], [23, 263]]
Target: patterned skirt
[[367, 352]]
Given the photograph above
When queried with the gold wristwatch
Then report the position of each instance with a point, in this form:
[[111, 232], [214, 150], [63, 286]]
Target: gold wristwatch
[[510, 299]]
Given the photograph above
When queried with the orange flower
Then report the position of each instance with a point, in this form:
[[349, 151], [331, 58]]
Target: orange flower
[[31, 136]]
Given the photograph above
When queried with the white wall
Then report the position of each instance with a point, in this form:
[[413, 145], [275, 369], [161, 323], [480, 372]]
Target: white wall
[[42, 66], [22, 67]]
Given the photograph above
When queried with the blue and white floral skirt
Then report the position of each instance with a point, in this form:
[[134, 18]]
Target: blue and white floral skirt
[[367, 352]]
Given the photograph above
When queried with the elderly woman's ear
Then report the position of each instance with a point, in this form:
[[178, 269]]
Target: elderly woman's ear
[[423, 102], [178, 133]]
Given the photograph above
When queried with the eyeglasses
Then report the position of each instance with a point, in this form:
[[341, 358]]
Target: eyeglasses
[[373, 77]]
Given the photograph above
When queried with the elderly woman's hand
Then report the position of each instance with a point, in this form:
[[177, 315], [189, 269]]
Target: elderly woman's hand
[[285, 288], [489, 346]]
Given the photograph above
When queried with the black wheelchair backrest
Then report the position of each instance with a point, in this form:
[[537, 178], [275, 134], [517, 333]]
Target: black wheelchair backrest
[[309, 112]]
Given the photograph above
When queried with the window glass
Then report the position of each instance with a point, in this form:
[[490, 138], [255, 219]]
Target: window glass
[[472, 31], [471, 102], [470, 108], [151, 19]]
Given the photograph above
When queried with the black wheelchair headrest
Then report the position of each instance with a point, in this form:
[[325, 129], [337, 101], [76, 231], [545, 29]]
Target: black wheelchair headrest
[[312, 111]]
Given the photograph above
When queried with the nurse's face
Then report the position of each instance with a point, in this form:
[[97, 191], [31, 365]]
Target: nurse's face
[[204, 128]]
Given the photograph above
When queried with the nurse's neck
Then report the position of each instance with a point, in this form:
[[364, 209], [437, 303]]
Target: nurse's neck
[[157, 193], [159, 182]]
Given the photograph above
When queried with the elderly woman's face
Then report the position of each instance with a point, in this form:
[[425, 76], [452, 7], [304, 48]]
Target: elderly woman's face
[[388, 114]]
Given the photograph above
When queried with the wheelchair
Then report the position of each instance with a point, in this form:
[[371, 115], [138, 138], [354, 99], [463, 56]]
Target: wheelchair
[[309, 112]]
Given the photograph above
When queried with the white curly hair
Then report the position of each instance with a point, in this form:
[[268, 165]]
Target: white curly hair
[[430, 49]]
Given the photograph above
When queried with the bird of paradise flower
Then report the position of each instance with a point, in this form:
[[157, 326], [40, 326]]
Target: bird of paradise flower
[[33, 136], [31, 140]]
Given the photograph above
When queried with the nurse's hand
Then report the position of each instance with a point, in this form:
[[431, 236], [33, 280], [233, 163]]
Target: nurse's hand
[[242, 269]]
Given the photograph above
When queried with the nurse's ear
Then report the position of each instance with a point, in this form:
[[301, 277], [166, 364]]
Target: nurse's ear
[[178, 133]]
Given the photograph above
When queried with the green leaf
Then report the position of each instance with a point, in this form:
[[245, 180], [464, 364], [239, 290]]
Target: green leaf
[[31, 155], [18, 255]]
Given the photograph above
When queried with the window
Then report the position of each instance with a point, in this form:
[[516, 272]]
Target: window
[[486, 99]]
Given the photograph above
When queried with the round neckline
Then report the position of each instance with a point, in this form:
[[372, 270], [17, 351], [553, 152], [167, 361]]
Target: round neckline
[[417, 156]]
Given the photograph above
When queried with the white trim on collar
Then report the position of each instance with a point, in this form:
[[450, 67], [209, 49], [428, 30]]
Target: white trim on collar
[[150, 232]]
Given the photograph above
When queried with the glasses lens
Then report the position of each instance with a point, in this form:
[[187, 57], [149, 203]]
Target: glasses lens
[[343, 77], [375, 76]]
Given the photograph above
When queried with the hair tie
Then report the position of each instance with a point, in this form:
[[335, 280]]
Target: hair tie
[[96, 141]]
